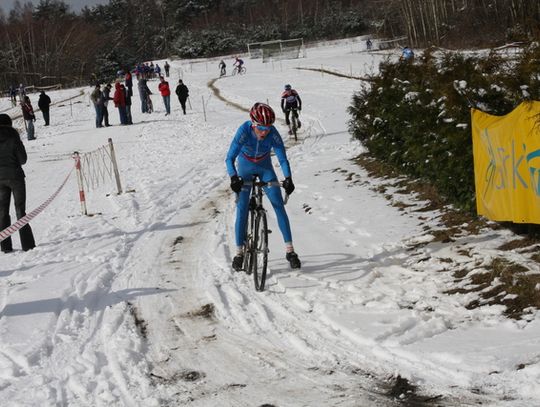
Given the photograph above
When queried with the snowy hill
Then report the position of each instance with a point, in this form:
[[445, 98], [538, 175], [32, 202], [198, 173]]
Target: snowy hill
[[138, 306]]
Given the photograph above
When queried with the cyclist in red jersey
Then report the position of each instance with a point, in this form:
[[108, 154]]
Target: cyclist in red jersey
[[290, 100]]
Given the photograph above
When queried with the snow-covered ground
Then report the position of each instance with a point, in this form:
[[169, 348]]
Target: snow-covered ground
[[138, 306]]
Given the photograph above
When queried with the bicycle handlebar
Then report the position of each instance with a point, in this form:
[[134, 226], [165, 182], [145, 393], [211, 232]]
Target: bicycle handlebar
[[265, 184]]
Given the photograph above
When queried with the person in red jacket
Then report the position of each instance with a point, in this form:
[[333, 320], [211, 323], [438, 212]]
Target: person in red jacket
[[119, 100], [165, 91]]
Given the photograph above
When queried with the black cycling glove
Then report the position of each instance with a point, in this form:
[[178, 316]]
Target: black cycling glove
[[288, 185], [236, 183]]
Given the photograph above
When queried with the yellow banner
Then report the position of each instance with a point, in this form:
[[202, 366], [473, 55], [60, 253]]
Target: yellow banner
[[506, 153]]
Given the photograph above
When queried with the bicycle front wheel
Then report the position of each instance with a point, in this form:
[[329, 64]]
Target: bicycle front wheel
[[294, 126], [259, 256]]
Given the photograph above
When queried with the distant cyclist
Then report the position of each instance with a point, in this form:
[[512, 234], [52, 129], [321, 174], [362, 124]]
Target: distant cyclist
[[222, 68], [290, 100], [238, 63], [252, 144]]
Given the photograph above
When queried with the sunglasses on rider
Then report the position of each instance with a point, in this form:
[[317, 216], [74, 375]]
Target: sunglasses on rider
[[263, 128]]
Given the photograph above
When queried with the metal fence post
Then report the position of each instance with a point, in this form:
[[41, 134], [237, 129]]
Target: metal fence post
[[82, 198], [115, 168], [204, 108]]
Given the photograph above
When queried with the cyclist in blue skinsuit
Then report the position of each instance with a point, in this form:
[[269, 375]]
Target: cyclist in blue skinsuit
[[252, 144]]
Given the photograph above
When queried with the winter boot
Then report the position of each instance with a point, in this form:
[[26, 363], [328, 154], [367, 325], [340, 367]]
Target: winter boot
[[238, 262], [293, 260]]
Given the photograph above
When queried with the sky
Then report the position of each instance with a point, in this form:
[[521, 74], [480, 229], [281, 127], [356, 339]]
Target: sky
[[137, 305], [75, 5]]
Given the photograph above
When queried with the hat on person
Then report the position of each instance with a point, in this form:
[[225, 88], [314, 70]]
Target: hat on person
[[5, 120]]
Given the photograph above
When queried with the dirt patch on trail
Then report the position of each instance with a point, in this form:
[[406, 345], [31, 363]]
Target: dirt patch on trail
[[207, 311], [404, 392]]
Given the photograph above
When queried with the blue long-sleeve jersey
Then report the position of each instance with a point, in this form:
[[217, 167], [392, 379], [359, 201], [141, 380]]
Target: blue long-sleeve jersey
[[245, 144]]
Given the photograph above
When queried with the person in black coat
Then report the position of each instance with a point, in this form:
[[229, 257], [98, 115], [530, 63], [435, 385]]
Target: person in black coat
[[43, 103], [12, 158], [183, 93]]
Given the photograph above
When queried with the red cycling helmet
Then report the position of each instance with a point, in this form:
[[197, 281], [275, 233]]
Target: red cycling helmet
[[261, 114]]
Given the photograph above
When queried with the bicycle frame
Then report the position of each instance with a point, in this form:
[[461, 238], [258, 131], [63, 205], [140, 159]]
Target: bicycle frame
[[256, 235]]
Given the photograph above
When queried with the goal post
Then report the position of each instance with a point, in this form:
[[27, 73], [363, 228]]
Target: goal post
[[254, 50], [278, 49]]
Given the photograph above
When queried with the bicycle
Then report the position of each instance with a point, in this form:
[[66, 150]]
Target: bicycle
[[256, 244], [239, 70], [294, 122]]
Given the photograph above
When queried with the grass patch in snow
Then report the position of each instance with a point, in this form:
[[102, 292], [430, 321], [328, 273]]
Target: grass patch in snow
[[505, 283]]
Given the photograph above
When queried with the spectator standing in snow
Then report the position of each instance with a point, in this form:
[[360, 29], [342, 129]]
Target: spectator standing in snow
[[29, 117], [369, 44], [182, 92], [165, 91], [97, 99], [43, 103], [12, 158], [129, 82], [167, 68], [144, 93], [13, 95], [106, 96], [128, 106], [120, 102], [22, 92]]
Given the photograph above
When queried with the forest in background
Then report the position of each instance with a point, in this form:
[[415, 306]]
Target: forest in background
[[49, 44]]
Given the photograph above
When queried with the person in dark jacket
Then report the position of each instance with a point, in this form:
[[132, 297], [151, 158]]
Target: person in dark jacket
[[129, 118], [97, 99], [183, 93], [12, 158], [105, 97], [29, 117], [144, 93], [129, 82], [167, 68], [43, 103]]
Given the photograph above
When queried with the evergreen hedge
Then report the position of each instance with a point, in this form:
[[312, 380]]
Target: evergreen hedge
[[415, 116]]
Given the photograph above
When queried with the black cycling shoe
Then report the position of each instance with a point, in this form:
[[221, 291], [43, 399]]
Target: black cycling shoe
[[299, 124], [238, 262], [293, 260]]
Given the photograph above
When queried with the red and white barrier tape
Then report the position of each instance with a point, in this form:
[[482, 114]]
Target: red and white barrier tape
[[4, 234]]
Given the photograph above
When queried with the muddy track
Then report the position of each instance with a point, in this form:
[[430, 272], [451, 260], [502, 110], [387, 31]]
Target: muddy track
[[341, 75]]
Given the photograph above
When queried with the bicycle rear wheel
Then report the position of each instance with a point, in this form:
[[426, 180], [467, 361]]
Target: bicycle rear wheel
[[259, 256], [294, 125]]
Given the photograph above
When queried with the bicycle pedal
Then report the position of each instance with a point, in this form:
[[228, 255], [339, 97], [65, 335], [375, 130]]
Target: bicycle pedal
[[269, 231]]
